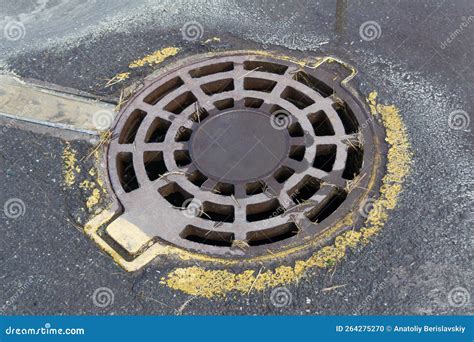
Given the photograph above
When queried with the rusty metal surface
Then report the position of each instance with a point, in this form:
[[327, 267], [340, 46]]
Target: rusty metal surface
[[232, 156]]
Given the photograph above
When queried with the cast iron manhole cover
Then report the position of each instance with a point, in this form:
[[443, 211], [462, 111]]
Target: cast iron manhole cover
[[239, 155]]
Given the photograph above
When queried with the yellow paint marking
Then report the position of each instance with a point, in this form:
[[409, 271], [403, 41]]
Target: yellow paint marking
[[87, 185], [329, 59], [70, 166], [93, 199], [93, 187], [198, 281], [212, 40], [152, 59], [155, 58], [117, 79], [312, 63]]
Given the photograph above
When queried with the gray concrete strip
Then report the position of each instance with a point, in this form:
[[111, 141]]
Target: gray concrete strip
[[22, 101], [10, 122]]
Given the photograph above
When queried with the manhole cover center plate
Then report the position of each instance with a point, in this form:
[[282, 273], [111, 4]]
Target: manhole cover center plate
[[239, 146]]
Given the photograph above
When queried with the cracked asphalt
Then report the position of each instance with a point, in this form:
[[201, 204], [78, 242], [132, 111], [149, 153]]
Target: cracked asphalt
[[421, 62]]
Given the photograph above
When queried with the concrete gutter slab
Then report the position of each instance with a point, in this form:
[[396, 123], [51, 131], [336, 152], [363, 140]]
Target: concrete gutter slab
[[26, 102]]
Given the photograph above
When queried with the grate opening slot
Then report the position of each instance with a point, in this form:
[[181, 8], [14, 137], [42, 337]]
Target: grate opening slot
[[217, 212], [197, 178], [259, 84], [207, 237], [254, 188], [271, 235], [321, 124], [183, 134], [218, 86], [224, 104], [264, 210], [297, 152], [253, 102], [157, 130], [347, 117], [272, 68], [180, 103], [313, 83], [276, 108], [175, 194], [305, 189], [156, 95], [199, 115], [296, 130], [126, 171], [296, 97], [154, 164], [130, 129], [182, 158], [327, 207], [225, 189], [283, 174], [355, 157], [211, 69], [325, 157]]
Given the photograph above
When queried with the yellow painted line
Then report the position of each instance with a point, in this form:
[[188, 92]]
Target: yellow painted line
[[22, 101]]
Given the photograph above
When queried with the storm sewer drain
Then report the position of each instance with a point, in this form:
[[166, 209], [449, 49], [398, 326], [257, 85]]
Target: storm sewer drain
[[239, 155]]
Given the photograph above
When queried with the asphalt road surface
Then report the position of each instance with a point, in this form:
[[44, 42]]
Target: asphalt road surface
[[421, 61]]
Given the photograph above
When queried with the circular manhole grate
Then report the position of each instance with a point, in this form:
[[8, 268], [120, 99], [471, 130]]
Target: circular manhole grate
[[241, 154]]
